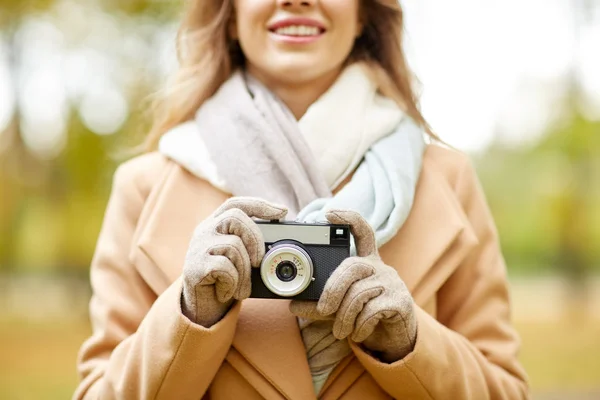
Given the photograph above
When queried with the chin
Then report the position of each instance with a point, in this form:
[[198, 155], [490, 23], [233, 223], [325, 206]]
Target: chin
[[298, 73]]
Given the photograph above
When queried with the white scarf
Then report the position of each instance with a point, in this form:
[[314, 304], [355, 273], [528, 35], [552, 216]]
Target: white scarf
[[339, 128]]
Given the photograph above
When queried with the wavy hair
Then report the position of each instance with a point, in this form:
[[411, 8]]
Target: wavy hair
[[208, 56]]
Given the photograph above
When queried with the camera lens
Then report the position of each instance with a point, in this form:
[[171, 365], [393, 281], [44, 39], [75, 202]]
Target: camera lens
[[286, 271]]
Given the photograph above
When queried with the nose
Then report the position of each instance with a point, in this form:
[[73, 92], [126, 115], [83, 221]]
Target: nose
[[296, 3]]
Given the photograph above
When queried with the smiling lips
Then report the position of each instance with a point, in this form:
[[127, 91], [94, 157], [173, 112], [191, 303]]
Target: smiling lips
[[297, 30]]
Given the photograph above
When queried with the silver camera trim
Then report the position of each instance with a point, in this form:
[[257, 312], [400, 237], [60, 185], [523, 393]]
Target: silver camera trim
[[296, 285], [307, 234]]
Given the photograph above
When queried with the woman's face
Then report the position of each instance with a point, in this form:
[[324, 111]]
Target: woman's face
[[295, 41]]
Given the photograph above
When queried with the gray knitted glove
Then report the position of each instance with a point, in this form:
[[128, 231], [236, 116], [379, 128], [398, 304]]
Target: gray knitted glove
[[221, 252], [367, 299]]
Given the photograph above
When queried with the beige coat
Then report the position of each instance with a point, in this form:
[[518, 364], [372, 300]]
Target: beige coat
[[144, 348]]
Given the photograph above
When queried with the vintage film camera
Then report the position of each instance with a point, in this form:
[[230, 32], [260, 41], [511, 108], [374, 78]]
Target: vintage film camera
[[299, 258]]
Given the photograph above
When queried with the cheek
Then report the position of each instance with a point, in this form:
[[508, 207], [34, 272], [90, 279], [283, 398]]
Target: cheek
[[344, 14], [251, 18]]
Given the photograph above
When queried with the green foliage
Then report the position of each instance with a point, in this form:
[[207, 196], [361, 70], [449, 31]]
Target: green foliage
[[156, 9], [51, 209], [25, 6], [12, 10], [545, 199], [55, 222]]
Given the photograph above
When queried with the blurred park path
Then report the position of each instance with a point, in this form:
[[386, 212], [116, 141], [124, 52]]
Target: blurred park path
[[43, 321], [554, 299]]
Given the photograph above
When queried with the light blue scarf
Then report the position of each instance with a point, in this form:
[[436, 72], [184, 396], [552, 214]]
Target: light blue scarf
[[382, 189]]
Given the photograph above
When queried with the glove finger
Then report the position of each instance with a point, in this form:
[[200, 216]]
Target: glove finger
[[395, 306], [357, 296], [232, 248], [254, 208], [307, 310], [235, 222], [364, 237], [386, 309], [350, 270], [223, 274], [367, 321]]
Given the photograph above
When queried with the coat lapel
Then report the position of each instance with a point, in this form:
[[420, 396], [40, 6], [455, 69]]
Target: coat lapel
[[170, 215], [269, 338], [431, 244], [267, 334], [434, 240]]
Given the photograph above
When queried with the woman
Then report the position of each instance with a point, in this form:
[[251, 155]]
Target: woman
[[297, 109]]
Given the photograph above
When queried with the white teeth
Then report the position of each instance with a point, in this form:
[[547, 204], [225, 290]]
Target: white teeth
[[298, 30]]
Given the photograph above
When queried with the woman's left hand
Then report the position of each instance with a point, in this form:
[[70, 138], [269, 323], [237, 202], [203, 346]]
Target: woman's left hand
[[367, 299]]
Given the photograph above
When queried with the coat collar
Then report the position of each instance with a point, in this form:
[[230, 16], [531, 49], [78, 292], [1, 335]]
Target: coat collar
[[435, 237], [433, 241]]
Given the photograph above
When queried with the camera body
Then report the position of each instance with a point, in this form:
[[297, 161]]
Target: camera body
[[299, 258]]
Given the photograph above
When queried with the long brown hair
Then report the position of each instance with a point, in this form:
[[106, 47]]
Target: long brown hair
[[208, 55]]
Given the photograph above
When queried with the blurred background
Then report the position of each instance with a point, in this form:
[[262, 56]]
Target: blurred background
[[515, 83]]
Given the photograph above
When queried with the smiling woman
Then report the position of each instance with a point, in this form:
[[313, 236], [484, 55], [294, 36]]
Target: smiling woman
[[217, 37], [297, 109], [288, 47]]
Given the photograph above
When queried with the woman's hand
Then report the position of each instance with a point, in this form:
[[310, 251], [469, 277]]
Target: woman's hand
[[367, 299], [222, 250]]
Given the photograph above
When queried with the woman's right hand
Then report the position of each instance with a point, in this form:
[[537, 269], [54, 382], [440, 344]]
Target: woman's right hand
[[221, 253]]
